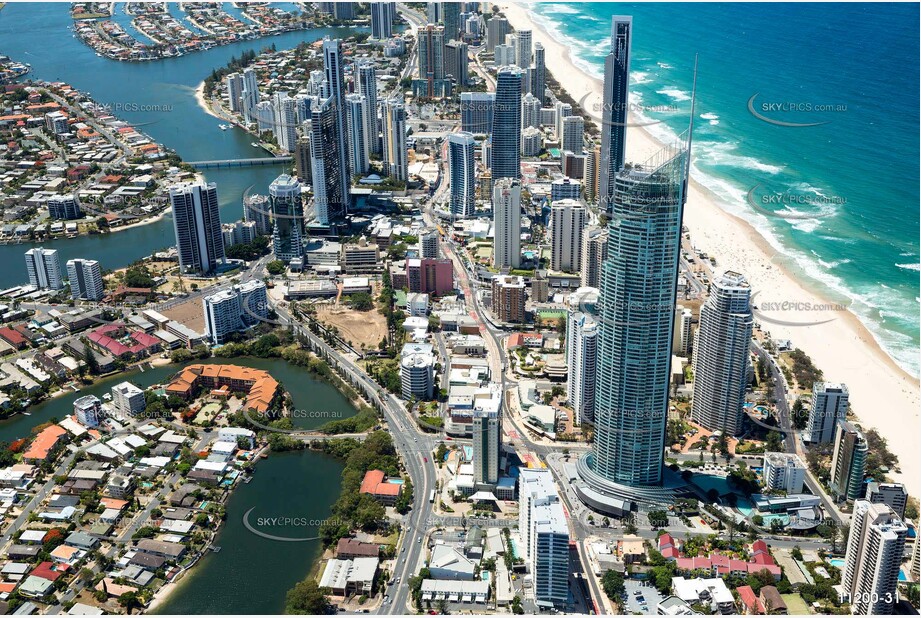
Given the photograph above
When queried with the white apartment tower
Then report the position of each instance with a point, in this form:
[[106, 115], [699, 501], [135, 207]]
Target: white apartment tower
[[506, 216], [85, 278], [829, 405], [875, 546], [44, 268], [567, 221]]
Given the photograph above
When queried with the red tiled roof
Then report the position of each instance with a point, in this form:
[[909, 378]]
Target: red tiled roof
[[749, 599], [46, 570], [12, 336], [44, 442], [374, 484]]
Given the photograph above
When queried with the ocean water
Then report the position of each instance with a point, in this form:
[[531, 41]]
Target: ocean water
[[850, 202]]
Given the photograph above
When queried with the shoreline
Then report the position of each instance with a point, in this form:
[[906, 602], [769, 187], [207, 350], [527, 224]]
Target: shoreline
[[843, 347]]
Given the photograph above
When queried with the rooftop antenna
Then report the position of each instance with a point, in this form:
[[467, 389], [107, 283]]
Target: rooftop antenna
[[687, 165]]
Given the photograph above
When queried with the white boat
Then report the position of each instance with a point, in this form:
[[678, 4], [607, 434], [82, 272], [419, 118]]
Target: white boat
[[27, 414], [224, 127], [255, 145]]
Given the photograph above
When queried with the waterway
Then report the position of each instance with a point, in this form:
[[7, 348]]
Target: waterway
[[159, 98], [251, 574]]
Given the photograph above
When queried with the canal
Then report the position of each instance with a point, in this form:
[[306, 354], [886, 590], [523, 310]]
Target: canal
[[251, 573], [159, 97]]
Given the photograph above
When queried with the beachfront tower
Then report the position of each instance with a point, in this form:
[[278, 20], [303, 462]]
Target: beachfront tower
[[875, 547], [506, 127], [635, 321], [462, 167], [614, 108], [721, 359]]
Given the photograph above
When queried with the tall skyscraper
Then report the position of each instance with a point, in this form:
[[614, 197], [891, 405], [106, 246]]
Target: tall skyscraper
[[496, 29], [334, 91], [829, 405], [506, 217], [85, 278], [876, 543], [594, 252], [614, 108], [721, 359], [638, 286], [581, 357], [329, 164], [848, 462], [456, 62], [523, 52], [285, 129], [462, 166], [302, 161], [506, 130], [381, 26], [487, 443], [249, 95], [530, 112], [504, 55], [572, 134], [508, 299], [477, 109], [450, 18], [356, 106], [393, 124], [234, 85], [538, 82], [545, 535], [682, 338], [288, 216], [197, 223], [567, 222], [234, 309], [366, 85], [44, 268], [894, 495], [430, 56], [257, 209]]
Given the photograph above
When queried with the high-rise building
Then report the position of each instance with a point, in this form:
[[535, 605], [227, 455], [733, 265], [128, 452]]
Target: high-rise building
[[328, 169], [366, 85], [234, 86], [894, 495], [581, 357], [496, 29], [334, 91], [508, 299], [456, 62], [85, 278], [356, 106], [506, 130], [848, 462], [234, 309], [565, 189], [417, 370], [288, 217], [381, 23], [504, 55], [875, 546], [721, 359], [44, 268], [531, 142], [430, 56], [829, 405], [682, 338], [523, 53], [594, 252], [343, 11], [477, 110], [538, 82], [784, 472], [285, 121], [302, 161], [563, 110], [88, 410], [462, 165], [197, 223], [567, 221], [506, 217], [433, 12], [249, 97], [450, 18], [614, 108], [530, 111], [393, 116], [257, 209], [64, 207], [429, 242], [487, 442], [573, 132], [590, 177], [545, 535], [635, 334], [128, 399]]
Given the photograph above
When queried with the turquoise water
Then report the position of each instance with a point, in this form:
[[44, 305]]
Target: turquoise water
[[836, 562], [863, 253]]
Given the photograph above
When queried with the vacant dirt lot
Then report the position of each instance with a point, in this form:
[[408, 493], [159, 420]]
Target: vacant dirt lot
[[189, 313], [357, 327]]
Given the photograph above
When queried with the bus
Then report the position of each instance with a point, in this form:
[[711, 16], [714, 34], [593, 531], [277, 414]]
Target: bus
[[432, 497]]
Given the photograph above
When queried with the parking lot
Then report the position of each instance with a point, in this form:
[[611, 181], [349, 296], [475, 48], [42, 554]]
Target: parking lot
[[646, 601]]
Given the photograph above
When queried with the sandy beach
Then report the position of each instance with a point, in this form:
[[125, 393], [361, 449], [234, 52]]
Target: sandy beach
[[882, 394]]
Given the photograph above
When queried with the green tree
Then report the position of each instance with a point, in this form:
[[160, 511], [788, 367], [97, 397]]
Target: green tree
[[307, 598], [275, 267], [613, 584]]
